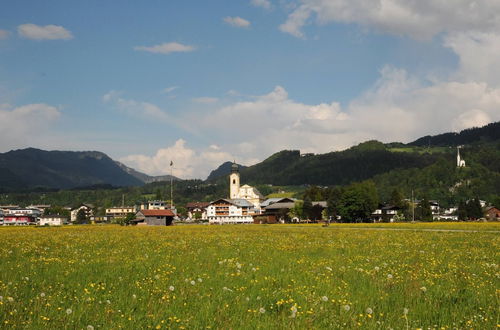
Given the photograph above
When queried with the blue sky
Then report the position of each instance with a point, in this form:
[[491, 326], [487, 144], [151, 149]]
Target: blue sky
[[203, 82]]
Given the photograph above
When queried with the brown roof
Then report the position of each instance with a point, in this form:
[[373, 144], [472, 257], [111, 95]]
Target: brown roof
[[200, 205], [157, 213]]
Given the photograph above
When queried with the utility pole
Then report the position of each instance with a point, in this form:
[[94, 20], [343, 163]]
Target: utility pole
[[412, 207]]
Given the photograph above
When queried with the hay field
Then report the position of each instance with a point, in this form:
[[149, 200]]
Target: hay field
[[270, 277]]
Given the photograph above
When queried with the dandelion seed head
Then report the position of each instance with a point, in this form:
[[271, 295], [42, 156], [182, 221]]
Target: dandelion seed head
[[423, 289], [42, 294], [324, 298], [405, 311], [134, 296], [377, 268], [69, 311], [262, 310], [10, 299], [369, 311], [192, 282], [200, 280], [90, 327], [171, 288], [389, 276], [346, 308]]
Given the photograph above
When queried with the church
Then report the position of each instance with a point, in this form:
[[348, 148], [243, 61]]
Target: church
[[244, 202]]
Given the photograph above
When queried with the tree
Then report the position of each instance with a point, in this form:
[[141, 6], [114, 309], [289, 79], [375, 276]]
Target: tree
[[423, 211], [462, 211], [474, 209], [81, 217], [297, 210], [397, 198], [358, 202], [307, 208]]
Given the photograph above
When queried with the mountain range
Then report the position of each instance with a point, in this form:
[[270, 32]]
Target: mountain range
[[33, 169]]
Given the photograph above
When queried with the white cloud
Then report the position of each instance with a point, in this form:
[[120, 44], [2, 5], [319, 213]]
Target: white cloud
[[167, 48], [47, 32], [418, 19], [143, 110], [24, 126], [479, 55], [205, 100], [237, 22], [4, 34], [261, 3], [169, 90], [188, 163]]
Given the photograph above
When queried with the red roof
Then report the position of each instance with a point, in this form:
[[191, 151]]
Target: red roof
[[157, 213]]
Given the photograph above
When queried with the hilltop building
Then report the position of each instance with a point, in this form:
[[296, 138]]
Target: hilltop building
[[460, 161]]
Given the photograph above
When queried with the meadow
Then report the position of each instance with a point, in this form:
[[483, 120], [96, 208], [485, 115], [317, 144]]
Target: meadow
[[250, 276]]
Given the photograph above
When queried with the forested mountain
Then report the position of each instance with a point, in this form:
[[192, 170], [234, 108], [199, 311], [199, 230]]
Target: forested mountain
[[33, 168], [358, 163], [488, 133], [222, 171]]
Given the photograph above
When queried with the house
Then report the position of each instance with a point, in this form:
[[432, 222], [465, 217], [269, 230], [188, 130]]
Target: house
[[492, 213], [87, 208], [275, 210], [119, 211], [385, 213], [230, 211], [19, 219], [53, 220], [1, 217], [157, 205], [154, 217], [197, 210]]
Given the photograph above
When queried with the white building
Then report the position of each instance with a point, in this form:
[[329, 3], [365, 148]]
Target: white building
[[245, 192], [230, 211], [460, 161], [120, 211], [53, 220], [87, 208]]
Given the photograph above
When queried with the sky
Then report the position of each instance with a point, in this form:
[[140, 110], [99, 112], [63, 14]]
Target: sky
[[204, 82]]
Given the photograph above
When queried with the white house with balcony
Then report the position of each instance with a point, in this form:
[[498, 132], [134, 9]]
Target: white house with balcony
[[225, 211]]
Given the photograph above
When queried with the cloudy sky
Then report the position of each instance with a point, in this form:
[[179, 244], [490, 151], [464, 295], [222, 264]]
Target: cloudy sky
[[203, 82]]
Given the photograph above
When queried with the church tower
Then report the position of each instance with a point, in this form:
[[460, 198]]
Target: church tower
[[234, 182]]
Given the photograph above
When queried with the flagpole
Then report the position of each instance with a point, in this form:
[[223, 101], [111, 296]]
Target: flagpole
[[171, 186]]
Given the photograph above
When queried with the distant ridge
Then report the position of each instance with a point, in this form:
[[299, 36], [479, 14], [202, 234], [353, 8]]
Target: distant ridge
[[222, 170], [144, 177], [37, 169], [488, 133]]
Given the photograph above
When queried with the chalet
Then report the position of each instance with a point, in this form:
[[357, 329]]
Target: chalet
[[87, 208], [492, 214], [53, 220], [197, 210], [19, 219], [230, 211], [154, 217], [385, 213], [275, 210]]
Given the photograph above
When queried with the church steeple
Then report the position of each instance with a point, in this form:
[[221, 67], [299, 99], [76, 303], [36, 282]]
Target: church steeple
[[460, 161], [234, 182]]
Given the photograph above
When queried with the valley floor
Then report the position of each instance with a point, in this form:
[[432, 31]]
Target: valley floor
[[437, 275]]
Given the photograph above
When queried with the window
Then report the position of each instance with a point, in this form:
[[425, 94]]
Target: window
[[234, 181]]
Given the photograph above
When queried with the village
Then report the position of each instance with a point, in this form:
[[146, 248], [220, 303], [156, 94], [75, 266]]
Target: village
[[244, 205]]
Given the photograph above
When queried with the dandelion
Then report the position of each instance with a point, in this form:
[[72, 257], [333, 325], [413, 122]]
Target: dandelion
[[389, 276], [134, 296], [262, 310], [192, 282], [247, 299], [171, 288], [346, 308], [42, 294], [377, 268], [405, 311], [69, 311], [200, 280], [258, 298], [238, 265], [369, 311], [324, 298], [157, 277], [423, 289], [108, 302], [10, 299], [254, 269], [328, 268], [90, 327], [1, 298], [293, 309]]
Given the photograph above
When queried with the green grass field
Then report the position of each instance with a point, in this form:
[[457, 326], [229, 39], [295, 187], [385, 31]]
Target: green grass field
[[270, 277]]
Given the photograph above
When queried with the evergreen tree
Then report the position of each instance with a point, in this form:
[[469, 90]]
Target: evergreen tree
[[307, 208], [81, 217], [474, 209], [462, 211]]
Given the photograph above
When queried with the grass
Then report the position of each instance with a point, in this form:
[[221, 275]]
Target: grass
[[271, 277]]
